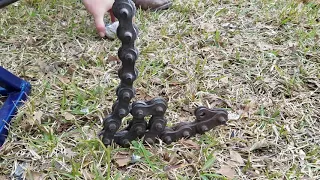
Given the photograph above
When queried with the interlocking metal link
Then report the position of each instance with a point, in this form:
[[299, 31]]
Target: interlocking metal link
[[155, 129], [206, 119], [124, 10]]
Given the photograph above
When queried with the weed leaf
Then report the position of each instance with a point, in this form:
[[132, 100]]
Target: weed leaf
[[209, 162]]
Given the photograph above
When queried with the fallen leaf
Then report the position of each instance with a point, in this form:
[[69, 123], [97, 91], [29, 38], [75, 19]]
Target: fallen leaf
[[64, 80], [206, 49], [169, 168], [227, 171], [71, 69], [252, 174], [31, 40], [250, 106], [69, 153], [64, 127], [264, 46], [156, 81], [122, 159], [259, 145], [166, 156], [302, 154], [175, 83], [292, 44], [4, 177], [312, 84], [31, 121], [142, 94], [37, 116], [68, 116], [189, 157], [113, 58], [248, 109], [34, 154], [46, 68], [208, 27], [232, 163], [174, 158], [224, 80], [233, 116], [214, 100], [235, 156], [35, 175], [97, 72], [189, 144]]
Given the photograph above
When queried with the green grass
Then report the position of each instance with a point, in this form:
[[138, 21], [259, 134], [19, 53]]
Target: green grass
[[259, 59]]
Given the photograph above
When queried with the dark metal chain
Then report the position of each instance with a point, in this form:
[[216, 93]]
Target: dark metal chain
[[127, 32], [124, 11], [206, 119]]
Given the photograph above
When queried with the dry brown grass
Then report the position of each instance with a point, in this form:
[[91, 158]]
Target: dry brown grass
[[259, 59], [310, 1]]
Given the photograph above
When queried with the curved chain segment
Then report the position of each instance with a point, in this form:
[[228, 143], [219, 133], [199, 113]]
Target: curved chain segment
[[155, 129], [206, 119]]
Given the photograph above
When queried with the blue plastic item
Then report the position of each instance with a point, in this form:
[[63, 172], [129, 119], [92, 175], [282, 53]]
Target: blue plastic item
[[16, 90]]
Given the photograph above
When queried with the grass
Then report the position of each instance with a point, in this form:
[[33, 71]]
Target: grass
[[259, 59]]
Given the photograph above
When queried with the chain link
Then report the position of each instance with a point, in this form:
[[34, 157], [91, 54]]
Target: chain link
[[206, 119]]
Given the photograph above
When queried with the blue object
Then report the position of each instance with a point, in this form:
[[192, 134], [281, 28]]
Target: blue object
[[16, 90]]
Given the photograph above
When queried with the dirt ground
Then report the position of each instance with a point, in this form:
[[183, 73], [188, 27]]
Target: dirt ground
[[259, 59]]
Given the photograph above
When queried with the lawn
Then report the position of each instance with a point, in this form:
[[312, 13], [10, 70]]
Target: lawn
[[259, 59]]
